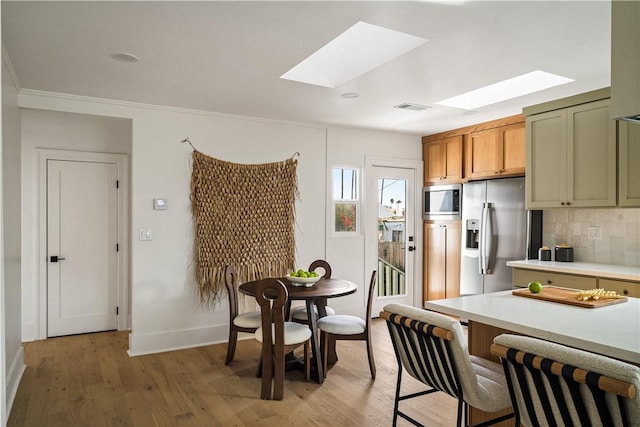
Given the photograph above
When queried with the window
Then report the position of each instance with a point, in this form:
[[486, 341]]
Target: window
[[345, 200]]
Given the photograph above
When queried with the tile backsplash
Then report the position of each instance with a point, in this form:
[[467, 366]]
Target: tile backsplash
[[603, 236]]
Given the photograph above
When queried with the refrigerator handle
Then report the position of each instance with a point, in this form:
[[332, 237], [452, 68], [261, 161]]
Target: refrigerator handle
[[481, 241], [486, 238]]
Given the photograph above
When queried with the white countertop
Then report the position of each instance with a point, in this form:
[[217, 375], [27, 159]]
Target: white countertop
[[585, 268], [612, 330]]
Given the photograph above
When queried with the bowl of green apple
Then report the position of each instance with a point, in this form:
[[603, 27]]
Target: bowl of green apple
[[303, 278]]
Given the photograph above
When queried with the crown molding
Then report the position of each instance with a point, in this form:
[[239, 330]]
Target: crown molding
[[129, 105]]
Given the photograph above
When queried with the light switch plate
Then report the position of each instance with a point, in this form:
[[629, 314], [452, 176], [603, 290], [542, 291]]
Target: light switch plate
[[160, 204]]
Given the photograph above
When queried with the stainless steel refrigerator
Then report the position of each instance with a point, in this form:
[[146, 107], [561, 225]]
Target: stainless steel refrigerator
[[496, 228]]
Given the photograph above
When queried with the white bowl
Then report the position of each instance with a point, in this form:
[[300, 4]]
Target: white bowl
[[303, 281]]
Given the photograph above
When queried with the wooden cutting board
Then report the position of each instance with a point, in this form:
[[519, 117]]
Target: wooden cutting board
[[565, 296]]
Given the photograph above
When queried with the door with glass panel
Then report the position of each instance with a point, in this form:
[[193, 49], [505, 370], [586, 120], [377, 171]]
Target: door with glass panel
[[391, 233]]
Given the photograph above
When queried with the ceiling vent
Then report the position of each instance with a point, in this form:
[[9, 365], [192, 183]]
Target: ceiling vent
[[411, 106]]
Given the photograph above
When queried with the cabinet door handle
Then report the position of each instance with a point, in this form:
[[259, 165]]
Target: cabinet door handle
[[625, 292], [548, 282], [568, 203], [561, 203]]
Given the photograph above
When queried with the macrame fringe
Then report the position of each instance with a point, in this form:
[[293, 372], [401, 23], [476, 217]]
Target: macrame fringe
[[211, 280]]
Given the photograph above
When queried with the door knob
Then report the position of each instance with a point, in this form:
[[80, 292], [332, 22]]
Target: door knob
[[57, 258]]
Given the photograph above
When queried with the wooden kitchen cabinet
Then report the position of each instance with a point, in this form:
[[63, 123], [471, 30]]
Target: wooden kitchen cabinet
[[522, 278], [475, 152], [628, 164], [443, 160], [571, 157], [496, 152], [441, 260]]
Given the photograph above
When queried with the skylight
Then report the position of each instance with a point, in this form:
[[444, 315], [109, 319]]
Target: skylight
[[360, 49], [507, 89]]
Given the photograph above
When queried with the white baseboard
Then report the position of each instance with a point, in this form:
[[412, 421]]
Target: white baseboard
[[158, 342], [14, 375]]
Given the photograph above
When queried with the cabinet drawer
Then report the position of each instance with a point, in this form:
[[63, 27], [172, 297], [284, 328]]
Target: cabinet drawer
[[629, 289], [522, 277]]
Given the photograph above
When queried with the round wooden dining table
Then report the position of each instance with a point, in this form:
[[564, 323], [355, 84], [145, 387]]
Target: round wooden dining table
[[315, 295]]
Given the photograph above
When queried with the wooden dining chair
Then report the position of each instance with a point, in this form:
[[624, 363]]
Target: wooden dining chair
[[278, 337], [238, 322], [346, 327], [299, 313], [552, 384], [432, 348]]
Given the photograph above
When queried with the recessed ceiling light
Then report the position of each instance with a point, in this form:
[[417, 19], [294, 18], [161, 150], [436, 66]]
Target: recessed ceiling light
[[124, 57], [350, 95], [358, 50], [507, 89]]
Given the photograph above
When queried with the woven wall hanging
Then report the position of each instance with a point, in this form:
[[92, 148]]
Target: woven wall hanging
[[244, 215]]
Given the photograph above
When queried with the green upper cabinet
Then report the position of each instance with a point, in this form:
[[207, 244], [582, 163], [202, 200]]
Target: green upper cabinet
[[546, 178], [629, 164], [571, 157], [591, 155]]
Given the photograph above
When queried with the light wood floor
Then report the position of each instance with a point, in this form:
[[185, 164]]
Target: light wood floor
[[89, 380]]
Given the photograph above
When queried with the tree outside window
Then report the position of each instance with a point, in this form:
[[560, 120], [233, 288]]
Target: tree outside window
[[345, 200], [346, 214]]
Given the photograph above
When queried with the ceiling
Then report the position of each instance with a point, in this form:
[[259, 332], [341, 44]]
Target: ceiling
[[226, 57]]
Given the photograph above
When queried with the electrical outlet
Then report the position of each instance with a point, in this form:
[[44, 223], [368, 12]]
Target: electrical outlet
[[145, 234], [593, 233]]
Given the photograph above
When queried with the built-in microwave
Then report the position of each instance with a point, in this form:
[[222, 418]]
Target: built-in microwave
[[442, 202]]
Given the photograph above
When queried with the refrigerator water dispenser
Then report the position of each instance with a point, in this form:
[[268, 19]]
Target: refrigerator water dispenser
[[473, 233]]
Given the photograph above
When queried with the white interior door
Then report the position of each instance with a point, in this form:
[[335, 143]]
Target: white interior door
[[82, 238], [391, 219]]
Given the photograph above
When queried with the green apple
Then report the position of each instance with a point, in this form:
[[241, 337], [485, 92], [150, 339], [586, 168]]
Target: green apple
[[303, 274], [535, 287]]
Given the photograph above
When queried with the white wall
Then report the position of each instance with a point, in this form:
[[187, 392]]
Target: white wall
[[12, 354], [64, 131], [165, 310], [3, 345], [350, 147]]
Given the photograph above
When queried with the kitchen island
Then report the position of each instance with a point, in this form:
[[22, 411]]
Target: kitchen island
[[612, 330]]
